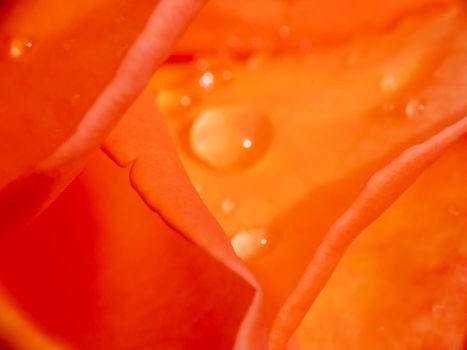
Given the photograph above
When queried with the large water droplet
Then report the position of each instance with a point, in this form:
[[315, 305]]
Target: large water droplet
[[19, 48], [248, 244], [230, 137]]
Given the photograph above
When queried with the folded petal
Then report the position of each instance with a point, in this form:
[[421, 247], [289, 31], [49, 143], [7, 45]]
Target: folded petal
[[142, 142], [100, 270], [65, 84]]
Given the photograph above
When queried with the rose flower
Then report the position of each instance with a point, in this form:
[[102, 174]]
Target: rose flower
[[291, 177]]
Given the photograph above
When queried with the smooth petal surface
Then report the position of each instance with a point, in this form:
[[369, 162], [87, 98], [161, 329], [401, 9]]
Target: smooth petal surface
[[100, 270]]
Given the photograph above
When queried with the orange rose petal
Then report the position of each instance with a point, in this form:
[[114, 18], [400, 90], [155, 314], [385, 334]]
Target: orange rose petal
[[245, 27], [331, 131], [89, 72], [402, 282], [142, 142], [17, 331], [383, 188], [100, 270]]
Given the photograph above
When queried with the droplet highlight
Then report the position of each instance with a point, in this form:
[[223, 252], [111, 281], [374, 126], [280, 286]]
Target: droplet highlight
[[230, 137], [248, 244], [206, 80]]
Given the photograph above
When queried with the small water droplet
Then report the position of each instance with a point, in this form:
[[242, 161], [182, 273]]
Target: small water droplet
[[172, 102], [389, 83], [207, 80], [414, 107], [247, 244], [254, 63], [20, 47], [231, 137], [389, 107], [284, 31], [437, 309], [228, 206], [185, 101], [247, 143]]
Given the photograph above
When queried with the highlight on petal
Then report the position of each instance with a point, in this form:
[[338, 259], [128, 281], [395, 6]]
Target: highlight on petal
[[18, 332]]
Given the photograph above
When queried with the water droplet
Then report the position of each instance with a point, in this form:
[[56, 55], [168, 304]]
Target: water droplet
[[231, 137], [389, 84], [414, 107], [437, 309], [172, 102], [284, 31], [228, 206], [185, 101], [247, 244], [254, 63], [207, 80], [19, 47], [389, 107], [247, 143]]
